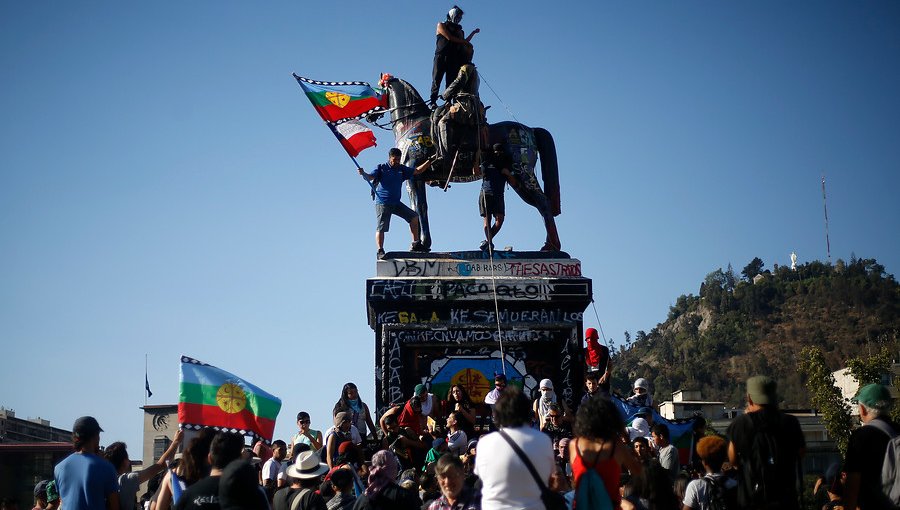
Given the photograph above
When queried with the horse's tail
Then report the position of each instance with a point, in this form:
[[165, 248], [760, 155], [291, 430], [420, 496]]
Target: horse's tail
[[549, 168]]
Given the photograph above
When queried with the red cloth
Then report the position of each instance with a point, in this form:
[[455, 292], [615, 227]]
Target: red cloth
[[596, 355], [608, 469], [410, 418]]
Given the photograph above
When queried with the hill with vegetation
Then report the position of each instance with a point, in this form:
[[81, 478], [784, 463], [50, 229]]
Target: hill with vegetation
[[758, 323]]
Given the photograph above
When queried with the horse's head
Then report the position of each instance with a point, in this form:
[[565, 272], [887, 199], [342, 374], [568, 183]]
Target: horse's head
[[404, 101]]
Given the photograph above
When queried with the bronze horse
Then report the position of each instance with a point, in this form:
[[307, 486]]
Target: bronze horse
[[411, 124]]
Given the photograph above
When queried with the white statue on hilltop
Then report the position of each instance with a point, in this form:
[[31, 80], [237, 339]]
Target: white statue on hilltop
[[793, 261]]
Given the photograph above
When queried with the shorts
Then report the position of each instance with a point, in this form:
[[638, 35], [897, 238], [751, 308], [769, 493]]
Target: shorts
[[491, 205], [383, 214]]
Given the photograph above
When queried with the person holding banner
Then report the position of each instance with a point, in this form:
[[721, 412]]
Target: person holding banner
[[389, 177]]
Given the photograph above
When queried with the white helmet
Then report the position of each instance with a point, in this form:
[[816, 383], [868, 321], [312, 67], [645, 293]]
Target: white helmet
[[455, 15]]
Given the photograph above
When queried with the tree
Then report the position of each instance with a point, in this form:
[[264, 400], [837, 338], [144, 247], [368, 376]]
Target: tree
[[729, 278], [752, 269], [825, 396]]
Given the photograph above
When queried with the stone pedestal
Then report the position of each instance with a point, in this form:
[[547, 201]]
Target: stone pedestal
[[435, 318]]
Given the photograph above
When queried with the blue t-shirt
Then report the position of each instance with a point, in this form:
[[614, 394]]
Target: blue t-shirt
[[389, 181], [84, 481]]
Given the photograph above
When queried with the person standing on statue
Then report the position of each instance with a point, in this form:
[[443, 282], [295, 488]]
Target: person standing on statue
[[389, 177], [452, 50], [497, 172]]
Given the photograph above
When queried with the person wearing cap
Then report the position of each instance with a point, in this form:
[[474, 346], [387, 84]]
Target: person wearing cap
[[343, 430], [204, 495], [390, 177], [452, 50], [85, 480], [496, 171], [765, 482], [832, 482], [411, 415], [305, 475], [865, 450], [596, 356], [130, 481], [40, 495]]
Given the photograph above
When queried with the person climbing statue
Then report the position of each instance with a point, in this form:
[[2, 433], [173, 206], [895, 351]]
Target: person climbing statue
[[390, 177], [452, 50], [497, 172]]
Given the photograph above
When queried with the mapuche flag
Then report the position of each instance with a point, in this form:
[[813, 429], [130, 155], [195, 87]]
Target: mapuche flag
[[339, 100], [354, 136], [211, 397]]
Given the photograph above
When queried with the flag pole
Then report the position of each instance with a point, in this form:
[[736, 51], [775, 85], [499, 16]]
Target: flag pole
[[146, 380], [825, 208], [352, 158]]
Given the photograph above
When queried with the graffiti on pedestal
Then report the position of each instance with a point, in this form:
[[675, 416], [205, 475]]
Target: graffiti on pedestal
[[476, 290]]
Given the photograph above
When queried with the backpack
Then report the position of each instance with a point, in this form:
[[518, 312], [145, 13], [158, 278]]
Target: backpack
[[890, 468], [760, 481], [591, 493], [718, 496]]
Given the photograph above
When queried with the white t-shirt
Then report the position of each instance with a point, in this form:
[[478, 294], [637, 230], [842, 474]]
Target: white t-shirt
[[273, 470], [507, 483], [695, 495]]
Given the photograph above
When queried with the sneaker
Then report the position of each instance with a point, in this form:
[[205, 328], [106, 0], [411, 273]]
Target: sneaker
[[417, 246], [484, 245], [380, 254]]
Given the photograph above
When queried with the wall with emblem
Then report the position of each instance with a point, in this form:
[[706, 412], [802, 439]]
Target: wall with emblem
[[436, 316]]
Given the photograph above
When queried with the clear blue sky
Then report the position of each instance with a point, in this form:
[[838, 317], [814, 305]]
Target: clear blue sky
[[166, 188]]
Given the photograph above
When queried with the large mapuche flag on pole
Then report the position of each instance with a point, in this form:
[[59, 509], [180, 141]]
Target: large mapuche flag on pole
[[339, 100], [211, 397]]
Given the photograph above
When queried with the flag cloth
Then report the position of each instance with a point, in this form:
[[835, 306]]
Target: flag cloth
[[211, 397], [147, 385], [354, 136], [681, 434], [340, 100]]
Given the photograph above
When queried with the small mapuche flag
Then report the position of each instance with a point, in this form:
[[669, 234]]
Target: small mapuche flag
[[211, 397]]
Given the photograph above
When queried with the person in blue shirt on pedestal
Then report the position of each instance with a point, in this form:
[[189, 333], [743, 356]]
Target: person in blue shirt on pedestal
[[389, 177]]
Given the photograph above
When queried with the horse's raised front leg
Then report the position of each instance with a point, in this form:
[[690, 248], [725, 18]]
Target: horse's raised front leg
[[418, 201]]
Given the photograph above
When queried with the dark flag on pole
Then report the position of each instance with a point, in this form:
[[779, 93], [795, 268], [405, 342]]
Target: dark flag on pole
[[147, 385]]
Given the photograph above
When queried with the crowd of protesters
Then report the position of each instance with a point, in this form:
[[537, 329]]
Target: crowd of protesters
[[432, 453]]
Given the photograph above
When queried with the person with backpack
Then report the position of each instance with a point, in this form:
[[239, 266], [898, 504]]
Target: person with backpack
[[866, 450], [766, 445], [597, 454], [713, 491]]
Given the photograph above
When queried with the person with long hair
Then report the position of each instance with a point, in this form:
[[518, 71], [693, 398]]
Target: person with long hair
[[601, 445], [458, 401], [359, 411], [194, 465], [382, 491]]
